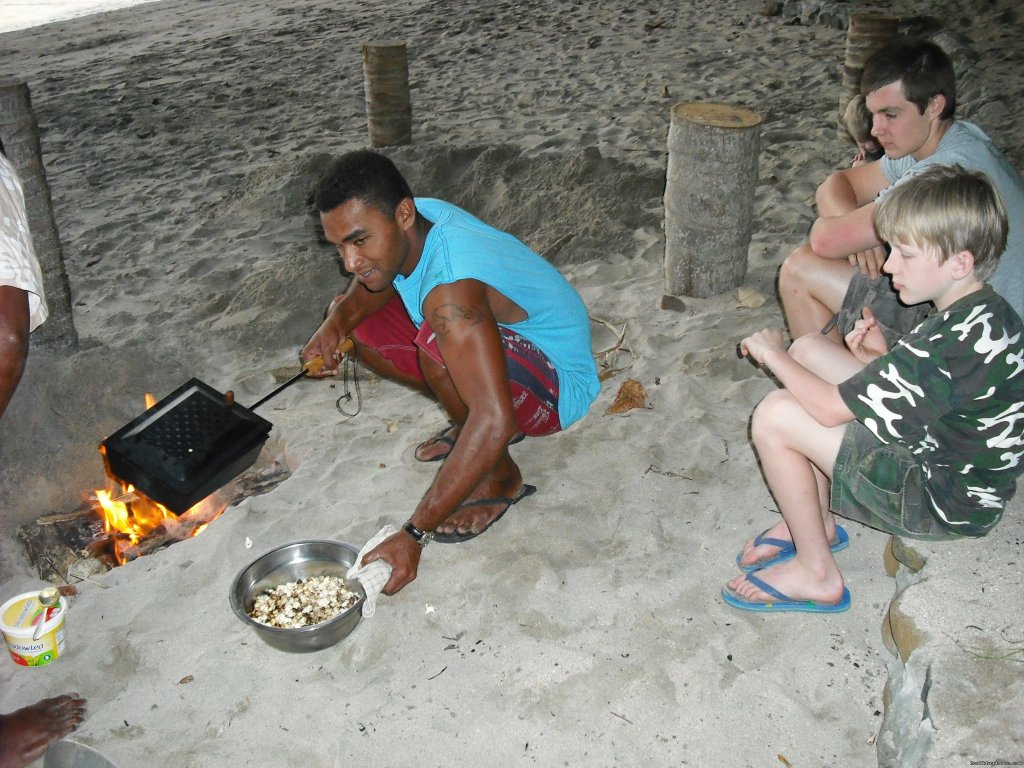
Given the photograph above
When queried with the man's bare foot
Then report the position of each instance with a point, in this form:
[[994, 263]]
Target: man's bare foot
[[440, 445], [26, 733], [794, 581], [496, 506], [474, 515]]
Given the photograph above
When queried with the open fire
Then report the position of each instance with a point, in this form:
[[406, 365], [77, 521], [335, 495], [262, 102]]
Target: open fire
[[119, 523], [137, 524]]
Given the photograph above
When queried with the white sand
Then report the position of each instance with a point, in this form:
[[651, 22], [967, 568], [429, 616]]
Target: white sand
[[24, 14], [181, 139]]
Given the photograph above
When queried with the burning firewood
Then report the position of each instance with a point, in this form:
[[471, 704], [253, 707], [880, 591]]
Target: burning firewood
[[68, 547]]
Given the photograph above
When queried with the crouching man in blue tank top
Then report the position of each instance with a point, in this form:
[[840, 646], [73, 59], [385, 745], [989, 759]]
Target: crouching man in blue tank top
[[469, 315]]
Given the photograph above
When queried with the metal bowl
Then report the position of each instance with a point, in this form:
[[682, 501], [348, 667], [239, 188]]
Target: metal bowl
[[67, 753], [291, 562]]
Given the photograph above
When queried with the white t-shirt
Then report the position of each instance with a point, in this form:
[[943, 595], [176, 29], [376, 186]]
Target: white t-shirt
[[18, 264]]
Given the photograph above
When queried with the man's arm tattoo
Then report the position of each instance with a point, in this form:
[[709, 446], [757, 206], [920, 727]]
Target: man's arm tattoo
[[446, 316]]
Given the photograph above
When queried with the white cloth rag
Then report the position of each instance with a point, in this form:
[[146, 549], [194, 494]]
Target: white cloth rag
[[375, 575]]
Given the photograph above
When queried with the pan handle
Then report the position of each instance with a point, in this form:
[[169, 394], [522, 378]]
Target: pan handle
[[313, 366], [316, 365]]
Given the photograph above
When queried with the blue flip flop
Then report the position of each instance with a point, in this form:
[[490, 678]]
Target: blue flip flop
[[786, 550], [781, 602]]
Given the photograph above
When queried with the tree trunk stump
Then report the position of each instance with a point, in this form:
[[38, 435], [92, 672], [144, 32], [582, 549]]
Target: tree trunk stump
[[19, 133], [709, 197], [386, 86], [865, 34]]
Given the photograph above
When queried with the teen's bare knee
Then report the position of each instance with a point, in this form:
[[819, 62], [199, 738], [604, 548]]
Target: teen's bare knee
[[794, 270], [772, 417]]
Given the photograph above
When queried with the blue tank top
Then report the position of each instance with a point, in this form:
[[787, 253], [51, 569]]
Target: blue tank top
[[461, 247]]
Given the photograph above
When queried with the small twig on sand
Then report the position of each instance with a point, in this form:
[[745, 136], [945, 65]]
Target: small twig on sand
[[606, 355], [71, 575], [1012, 652], [659, 471], [621, 334], [556, 246], [439, 673]]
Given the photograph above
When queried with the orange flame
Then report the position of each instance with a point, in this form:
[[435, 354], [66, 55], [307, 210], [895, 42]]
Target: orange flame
[[131, 517]]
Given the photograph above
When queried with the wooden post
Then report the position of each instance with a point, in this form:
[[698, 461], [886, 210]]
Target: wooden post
[[709, 197], [386, 85], [19, 134], [865, 34]]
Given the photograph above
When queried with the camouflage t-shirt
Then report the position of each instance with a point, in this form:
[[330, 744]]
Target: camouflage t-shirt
[[952, 392]]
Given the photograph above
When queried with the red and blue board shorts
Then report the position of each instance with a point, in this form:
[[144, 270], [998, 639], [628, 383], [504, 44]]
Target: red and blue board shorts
[[533, 381]]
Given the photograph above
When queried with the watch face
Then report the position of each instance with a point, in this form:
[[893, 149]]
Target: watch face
[[420, 537]]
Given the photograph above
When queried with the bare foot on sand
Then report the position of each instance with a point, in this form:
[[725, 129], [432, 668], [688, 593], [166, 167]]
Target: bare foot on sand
[[26, 733], [438, 447], [487, 503]]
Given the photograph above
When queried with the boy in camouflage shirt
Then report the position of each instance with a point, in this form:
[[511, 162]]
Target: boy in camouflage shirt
[[925, 440]]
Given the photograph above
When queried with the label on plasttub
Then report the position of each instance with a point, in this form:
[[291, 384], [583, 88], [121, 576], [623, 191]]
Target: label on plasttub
[[19, 618]]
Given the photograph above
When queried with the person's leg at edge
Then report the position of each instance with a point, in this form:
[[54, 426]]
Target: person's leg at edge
[[793, 449], [26, 733], [811, 290]]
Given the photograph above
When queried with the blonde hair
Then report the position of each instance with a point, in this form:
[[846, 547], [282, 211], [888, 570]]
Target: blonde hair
[[950, 208], [857, 120]]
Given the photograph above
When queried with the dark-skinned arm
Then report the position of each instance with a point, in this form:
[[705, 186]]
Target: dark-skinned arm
[[14, 330], [355, 305], [468, 337]]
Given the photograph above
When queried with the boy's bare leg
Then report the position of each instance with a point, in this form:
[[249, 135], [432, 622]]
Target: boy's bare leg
[[26, 733], [439, 383], [793, 448], [835, 364], [504, 481], [811, 290]]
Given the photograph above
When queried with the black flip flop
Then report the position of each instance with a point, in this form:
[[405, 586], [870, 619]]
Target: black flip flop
[[442, 437], [508, 501]]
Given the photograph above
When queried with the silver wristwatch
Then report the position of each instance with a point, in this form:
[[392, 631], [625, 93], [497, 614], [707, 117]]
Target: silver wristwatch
[[420, 537]]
